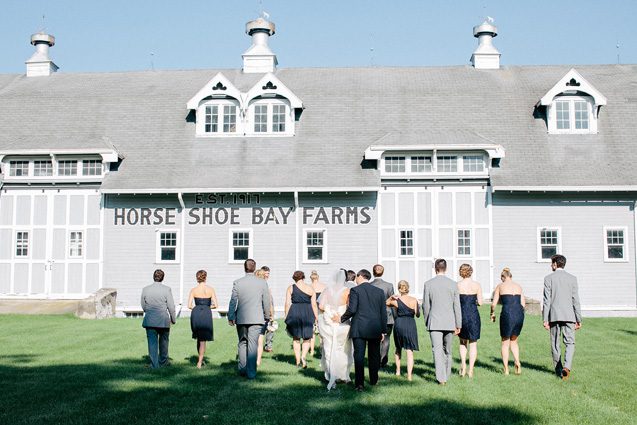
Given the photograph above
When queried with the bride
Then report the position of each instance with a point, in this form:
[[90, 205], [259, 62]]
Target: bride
[[337, 357]]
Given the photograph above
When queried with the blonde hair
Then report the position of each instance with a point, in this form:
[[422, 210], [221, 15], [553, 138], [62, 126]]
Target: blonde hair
[[260, 273], [466, 271], [201, 276], [314, 275], [403, 287], [506, 272]]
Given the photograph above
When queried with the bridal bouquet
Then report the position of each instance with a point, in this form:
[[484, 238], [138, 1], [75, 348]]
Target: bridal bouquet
[[328, 314], [273, 325]]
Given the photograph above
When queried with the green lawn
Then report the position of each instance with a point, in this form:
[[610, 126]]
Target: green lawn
[[62, 370]]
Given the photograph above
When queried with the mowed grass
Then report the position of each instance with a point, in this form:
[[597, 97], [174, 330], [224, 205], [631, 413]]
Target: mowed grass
[[62, 370]]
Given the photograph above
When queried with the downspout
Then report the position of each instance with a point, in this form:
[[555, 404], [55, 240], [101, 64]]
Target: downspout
[[297, 230], [181, 248]]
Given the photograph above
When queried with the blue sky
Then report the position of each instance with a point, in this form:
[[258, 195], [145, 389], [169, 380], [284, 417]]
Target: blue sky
[[119, 35]]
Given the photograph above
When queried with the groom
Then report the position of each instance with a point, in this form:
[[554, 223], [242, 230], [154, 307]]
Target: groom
[[366, 308]]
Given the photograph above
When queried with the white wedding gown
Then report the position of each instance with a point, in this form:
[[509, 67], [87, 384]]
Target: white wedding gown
[[337, 357]]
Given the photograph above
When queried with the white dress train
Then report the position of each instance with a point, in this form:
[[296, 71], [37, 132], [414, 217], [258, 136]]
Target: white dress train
[[337, 357]]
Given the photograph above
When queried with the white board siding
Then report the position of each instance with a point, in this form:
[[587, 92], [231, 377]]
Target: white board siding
[[516, 220]]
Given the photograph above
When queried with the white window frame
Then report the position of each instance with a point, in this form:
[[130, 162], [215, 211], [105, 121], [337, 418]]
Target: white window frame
[[47, 160], [625, 244], [571, 99], [472, 155], [270, 103], [397, 157], [60, 162], [435, 165], [457, 240], [82, 244], [158, 247], [96, 160], [220, 103], [29, 245], [539, 242], [231, 247], [306, 246], [21, 161], [413, 242]]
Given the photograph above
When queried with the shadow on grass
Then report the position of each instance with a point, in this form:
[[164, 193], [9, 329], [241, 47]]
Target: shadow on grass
[[628, 331], [525, 365], [123, 392]]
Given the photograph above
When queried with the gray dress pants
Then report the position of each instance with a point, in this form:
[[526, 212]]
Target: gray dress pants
[[441, 344], [248, 345], [158, 346], [565, 331]]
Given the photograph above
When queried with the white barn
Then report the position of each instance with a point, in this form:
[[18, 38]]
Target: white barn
[[108, 176]]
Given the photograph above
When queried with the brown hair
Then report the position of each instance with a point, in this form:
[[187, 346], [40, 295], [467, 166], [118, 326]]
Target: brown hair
[[260, 273], [559, 260], [249, 265], [506, 272], [403, 287], [265, 268], [158, 275], [466, 271], [378, 270], [440, 265], [298, 275], [201, 276]]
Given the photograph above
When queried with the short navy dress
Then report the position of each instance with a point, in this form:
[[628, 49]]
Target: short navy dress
[[512, 316], [405, 331], [201, 320], [300, 319], [470, 317]]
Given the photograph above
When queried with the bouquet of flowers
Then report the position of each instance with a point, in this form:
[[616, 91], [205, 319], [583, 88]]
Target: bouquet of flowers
[[273, 325]]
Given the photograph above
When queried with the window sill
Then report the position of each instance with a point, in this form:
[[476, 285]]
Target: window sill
[[616, 260]]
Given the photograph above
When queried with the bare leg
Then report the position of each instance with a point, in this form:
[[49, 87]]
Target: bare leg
[[296, 344], [397, 359], [473, 355], [202, 351], [312, 345], [515, 349], [305, 347], [505, 354], [463, 356], [410, 363], [259, 350]]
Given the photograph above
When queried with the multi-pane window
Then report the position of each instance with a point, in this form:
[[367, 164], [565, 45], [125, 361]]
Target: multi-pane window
[[394, 164], [19, 168], [562, 114], [211, 119], [240, 245], [278, 118], [42, 168], [549, 243], [581, 115], [67, 168], [447, 163], [464, 242], [229, 118], [76, 244], [167, 246], [472, 163], [421, 164], [92, 167], [615, 244], [315, 245], [260, 118], [22, 244], [406, 242]]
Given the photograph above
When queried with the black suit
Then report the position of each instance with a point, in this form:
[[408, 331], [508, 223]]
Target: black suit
[[366, 308]]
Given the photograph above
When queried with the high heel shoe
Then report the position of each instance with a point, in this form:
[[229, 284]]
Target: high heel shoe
[[518, 369], [463, 372]]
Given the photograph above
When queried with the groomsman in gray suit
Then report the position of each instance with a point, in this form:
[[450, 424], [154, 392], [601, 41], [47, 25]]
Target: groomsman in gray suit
[[562, 314], [249, 309], [388, 290], [441, 308], [159, 312]]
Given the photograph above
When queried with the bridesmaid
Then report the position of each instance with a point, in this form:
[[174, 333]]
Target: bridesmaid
[[318, 287], [201, 299], [405, 331], [470, 298], [301, 313], [510, 295]]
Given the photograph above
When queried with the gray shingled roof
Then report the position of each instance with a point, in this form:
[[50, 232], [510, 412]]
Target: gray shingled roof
[[144, 115]]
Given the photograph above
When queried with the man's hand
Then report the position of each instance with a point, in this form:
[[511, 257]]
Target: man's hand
[[231, 322], [382, 337], [457, 331], [336, 318], [578, 325], [547, 326]]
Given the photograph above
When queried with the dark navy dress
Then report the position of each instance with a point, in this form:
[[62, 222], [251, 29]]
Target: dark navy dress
[[512, 316], [470, 317], [405, 331], [201, 320], [300, 319]]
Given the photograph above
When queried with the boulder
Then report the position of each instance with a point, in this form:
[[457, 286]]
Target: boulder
[[533, 307], [100, 305]]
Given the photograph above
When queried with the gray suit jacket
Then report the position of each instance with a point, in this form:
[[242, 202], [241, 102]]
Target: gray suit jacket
[[250, 301], [561, 300], [158, 305], [441, 304], [388, 289]]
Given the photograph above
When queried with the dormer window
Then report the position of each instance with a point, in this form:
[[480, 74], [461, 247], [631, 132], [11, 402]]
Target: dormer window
[[269, 116], [473, 163], [219, 117], [394, 164], [19, 168], [43, 168], [67, 168], [447, 164], [570, 114]]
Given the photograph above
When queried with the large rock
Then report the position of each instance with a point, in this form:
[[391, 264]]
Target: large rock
[[100, 305], [533, 307]]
